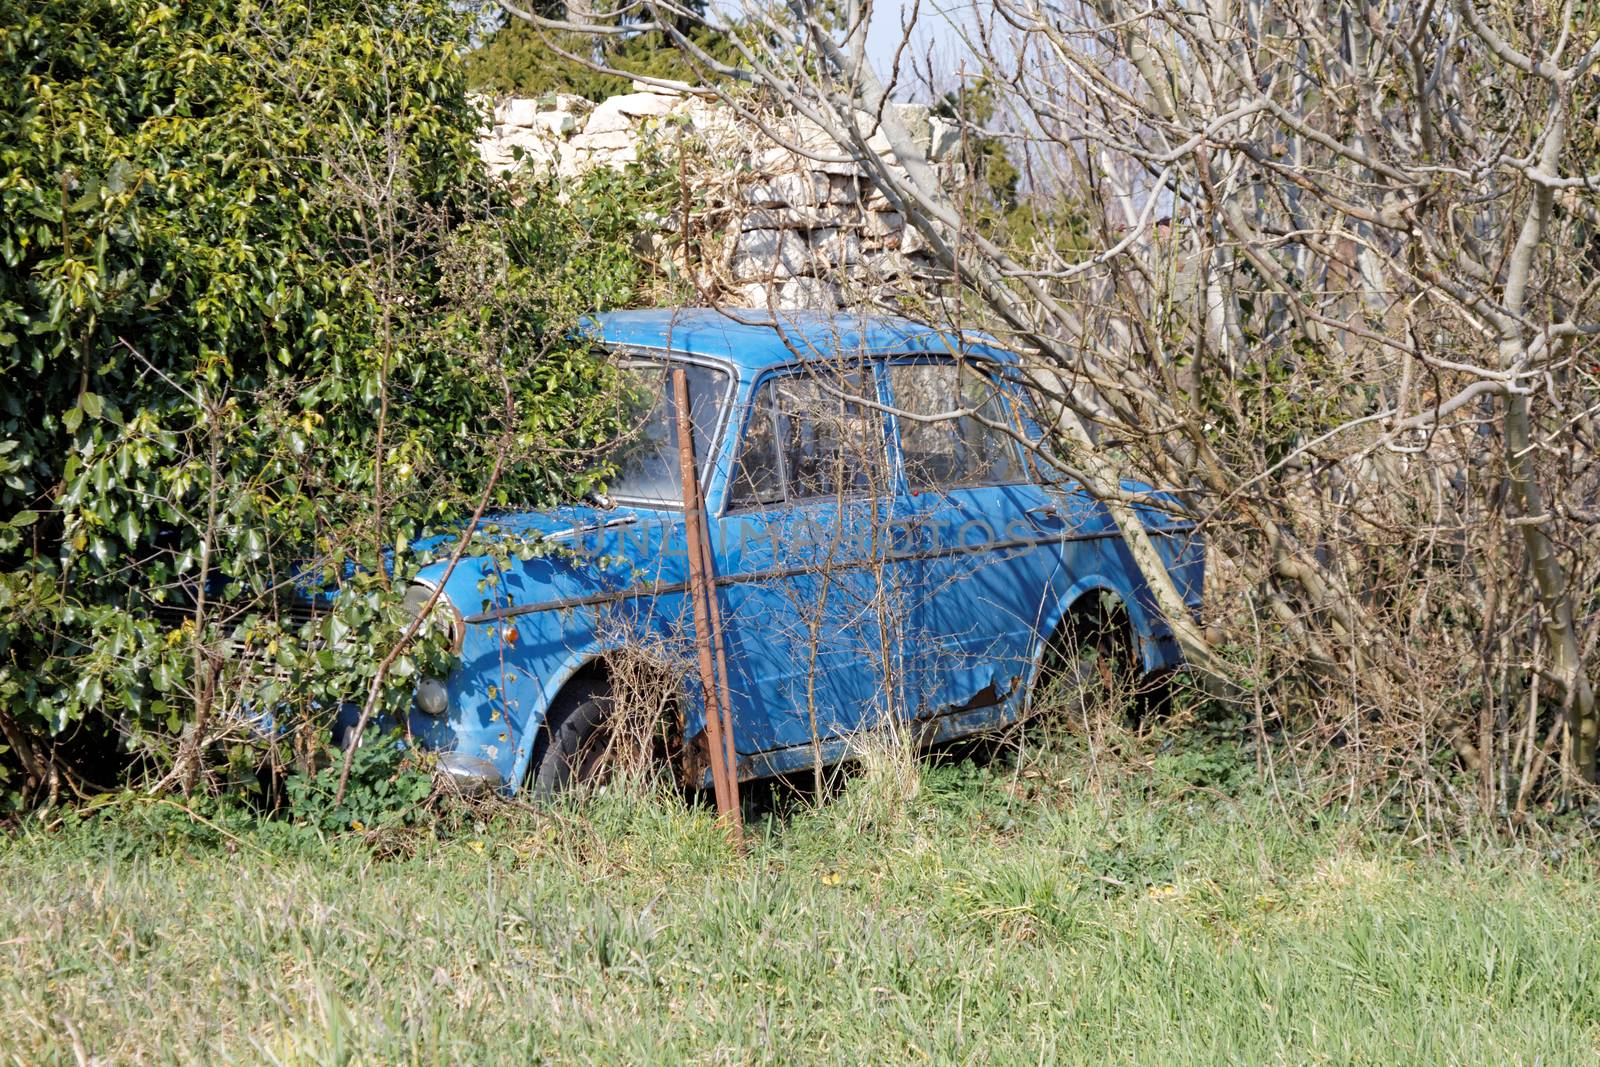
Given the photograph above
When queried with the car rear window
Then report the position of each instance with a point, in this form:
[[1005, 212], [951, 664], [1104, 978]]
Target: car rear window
[[961, 437]]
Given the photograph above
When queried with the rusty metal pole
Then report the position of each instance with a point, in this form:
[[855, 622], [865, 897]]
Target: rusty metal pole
[[714, 606], [723, 783]]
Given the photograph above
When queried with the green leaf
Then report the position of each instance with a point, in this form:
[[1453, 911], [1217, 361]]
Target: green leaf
[[174, 232], [89, 690], [335, 630]]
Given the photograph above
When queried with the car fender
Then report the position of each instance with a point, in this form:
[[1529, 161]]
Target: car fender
[[1087, 585]]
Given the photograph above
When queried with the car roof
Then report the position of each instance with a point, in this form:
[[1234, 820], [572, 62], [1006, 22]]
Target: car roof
[[754, 340]]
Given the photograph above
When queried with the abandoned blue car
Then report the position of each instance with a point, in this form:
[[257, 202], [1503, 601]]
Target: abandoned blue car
[[884, 549]]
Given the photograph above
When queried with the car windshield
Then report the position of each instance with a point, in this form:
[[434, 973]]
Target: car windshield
[[646, 456]]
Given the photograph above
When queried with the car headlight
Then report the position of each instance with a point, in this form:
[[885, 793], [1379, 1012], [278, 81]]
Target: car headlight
[[444, 612]]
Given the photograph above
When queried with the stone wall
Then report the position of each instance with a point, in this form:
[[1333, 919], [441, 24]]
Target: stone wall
[[781, 220]]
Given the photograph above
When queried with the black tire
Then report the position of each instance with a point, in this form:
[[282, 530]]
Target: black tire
[[575, 741], [1091, 656], [1065, 679]]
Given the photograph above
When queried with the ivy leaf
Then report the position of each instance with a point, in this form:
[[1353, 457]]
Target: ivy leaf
[[335, 629]]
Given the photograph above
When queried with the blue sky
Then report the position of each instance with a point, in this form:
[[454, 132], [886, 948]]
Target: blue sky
[[936, 29]]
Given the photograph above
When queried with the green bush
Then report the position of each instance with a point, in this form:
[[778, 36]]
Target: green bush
[[520, 59], [387, 788], [260, 309]]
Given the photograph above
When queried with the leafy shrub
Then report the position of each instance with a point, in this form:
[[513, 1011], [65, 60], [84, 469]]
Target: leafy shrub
[[387, 787], [263, 325], [516, 57]]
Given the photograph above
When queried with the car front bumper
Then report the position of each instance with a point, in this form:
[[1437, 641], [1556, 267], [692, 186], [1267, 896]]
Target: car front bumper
[[469, 775], [464, 774]]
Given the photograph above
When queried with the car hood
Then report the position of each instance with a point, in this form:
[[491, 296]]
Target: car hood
[[566, 523], [603, 551]]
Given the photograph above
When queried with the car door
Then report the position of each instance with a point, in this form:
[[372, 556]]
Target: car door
[[808, 585], [988, 544]]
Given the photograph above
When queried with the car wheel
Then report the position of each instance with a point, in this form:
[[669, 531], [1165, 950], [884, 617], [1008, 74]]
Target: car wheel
[[576, 742], [1089, 663]]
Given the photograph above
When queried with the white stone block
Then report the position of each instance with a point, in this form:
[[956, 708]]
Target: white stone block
[[891, 265], [883, 223], [639, 105], [769, 254], [603, 141], [944, 138], [808, 294], [843, 190], [538, 148], [785, 218], [618, 159], [868, 126], [752, 295], [797, 132], [789, 189], [711, 119], [572, 163], [911, 240], [557, 123], [775, 160], [916, 119], [836, 247], [811, 136], [897, 175], [826, 158], [607, 117], [516, 111], [577, 105]]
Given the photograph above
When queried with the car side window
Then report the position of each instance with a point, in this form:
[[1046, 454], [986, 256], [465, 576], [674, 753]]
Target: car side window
[[758, 479], [969, 446], [808, 439]]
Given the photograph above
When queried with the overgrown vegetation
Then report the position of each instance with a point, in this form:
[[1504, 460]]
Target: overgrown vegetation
[[265, 329], [1330, 277], [514, 57], [263, 325], [1140, 903]]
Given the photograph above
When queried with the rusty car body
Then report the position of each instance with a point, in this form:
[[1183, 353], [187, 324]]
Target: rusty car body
[[886, 548]]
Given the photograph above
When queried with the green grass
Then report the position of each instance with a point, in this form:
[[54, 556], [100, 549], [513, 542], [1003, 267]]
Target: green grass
[[942, 915]]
